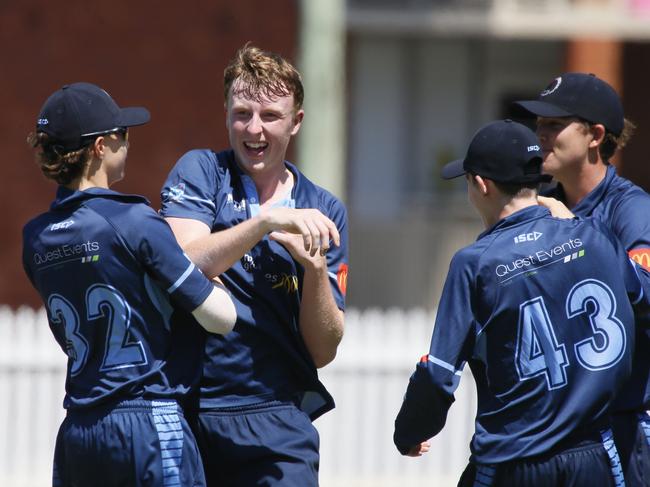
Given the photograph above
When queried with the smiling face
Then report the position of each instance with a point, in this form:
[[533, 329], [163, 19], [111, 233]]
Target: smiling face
[[259, 130]]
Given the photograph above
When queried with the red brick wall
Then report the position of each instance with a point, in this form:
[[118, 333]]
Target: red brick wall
[[624, 65], [636, 74], [166, 56]]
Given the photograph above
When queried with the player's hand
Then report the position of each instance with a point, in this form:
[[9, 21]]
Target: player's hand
[[294, 244], [315, 229], [556, 207], [419, 450]]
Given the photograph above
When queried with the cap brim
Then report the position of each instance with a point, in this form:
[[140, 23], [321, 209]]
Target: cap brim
[[453, 170], [132, 116], [543, 109]]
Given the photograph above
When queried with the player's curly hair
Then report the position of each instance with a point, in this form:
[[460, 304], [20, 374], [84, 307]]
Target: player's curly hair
[[261, 73], [611, 142], [63, 167]]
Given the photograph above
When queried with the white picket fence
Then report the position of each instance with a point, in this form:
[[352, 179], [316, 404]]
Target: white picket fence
[[367, 379]]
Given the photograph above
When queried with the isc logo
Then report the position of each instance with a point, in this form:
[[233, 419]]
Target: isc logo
[[61, 225], [527, 237]]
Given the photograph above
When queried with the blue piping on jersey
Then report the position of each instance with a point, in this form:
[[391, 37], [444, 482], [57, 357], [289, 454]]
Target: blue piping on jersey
[[168, 197], [641, 293], [484, 476], [614, 461], [170, 438], [181, 279], [445, 365]]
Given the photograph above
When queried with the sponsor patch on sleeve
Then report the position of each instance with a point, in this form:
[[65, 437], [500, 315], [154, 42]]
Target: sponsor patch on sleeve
[[641, 256], [342, 278]]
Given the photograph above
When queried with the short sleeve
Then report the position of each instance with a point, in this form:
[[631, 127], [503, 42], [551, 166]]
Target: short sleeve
[[191, 188], [157, 250], [631, 225]]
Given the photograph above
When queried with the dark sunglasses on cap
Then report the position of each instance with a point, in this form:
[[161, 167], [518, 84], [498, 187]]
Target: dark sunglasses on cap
[[90, 137]]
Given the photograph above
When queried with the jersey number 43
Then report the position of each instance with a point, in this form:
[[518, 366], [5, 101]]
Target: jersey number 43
[[538, 351]]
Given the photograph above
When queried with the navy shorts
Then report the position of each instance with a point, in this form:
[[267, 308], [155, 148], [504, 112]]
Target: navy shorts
[[589, 463], [632, 437], [137, 443], [268, 444]]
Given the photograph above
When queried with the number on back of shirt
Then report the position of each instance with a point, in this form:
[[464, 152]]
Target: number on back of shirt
[[538, 352], [102, 301]]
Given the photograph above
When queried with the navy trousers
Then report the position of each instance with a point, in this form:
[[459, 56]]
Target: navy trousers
[[268, 444], [137, 443], [589, 463]]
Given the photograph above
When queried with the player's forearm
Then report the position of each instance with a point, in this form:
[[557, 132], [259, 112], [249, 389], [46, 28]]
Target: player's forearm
[[321, 321], [217, 252], [217, 314]]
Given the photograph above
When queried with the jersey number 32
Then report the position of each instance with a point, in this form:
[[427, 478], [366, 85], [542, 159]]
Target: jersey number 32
[[102, 301]]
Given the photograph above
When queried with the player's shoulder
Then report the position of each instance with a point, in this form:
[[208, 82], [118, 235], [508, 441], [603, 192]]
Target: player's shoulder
[[629, 205], [205, 160], [124, 212], [202, 166], [624, 191], [37, 224], [469, 257], [312, 195]]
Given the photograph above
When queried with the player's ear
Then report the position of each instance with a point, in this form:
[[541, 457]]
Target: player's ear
[[297, 120], [99, 146], [598, 132], [481, 184]]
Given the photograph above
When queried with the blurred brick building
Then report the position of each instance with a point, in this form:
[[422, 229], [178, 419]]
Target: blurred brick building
[[166, 56], [422, 76]]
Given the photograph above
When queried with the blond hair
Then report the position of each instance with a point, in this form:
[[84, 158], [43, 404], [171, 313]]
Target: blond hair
[[257, 73]]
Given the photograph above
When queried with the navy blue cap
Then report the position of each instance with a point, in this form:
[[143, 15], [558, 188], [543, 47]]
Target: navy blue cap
[[579, 95], [503, 151], [78, 111]]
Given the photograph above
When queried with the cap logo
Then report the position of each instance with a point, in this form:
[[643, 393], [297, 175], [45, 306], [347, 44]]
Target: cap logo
[[42, 121], [555, 84], [532, 148]]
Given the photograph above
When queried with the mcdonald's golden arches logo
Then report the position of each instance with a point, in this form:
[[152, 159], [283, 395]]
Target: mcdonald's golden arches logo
[[641, 257]]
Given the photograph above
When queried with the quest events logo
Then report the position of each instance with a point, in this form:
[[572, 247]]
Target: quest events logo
[[641, 257], [342, 278]]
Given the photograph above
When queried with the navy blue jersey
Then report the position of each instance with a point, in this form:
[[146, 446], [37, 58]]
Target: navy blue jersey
[[264, 357], [547, 328], [625, 209], [106, 266]]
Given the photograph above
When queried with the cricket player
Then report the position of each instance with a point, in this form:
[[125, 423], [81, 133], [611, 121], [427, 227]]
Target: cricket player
[[580, 125], [279, 242], [546, 326], [108, 269]]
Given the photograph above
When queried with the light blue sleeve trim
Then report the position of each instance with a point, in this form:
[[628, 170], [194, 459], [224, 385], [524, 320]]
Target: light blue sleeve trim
[[445, 365], [178, 196], [181, 279], [641, 294]]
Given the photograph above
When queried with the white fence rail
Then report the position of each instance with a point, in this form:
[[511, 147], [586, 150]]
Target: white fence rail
[[367, 379]]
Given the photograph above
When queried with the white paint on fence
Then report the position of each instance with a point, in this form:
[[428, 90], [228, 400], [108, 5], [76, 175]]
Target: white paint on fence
[[368, 380]]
